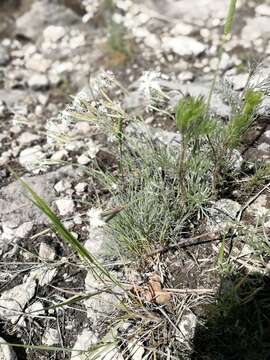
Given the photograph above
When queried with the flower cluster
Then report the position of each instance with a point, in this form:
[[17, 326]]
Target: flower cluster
[[150, 89]]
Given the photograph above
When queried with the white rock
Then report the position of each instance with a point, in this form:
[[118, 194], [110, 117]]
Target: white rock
[[81, 187], [77, 219], [51, 337], [83, 159], [186, 76], [26, 138], [6, 351], [99, 306], [38, 81], [32, 157], [23, 230], [256, 28], [59, 155], [222, 214], [14, 300], [260, 207], [84, 341], [44, 275], [65, 206], [53, 33], [239, 81], [93, 149], [183, 45], [46, 252], [267, 134], [38, 63], [265, 147], [182, 29], [35, 309], [83, 127], [236, 160], [263, 10], [62, 185], [187, 328]]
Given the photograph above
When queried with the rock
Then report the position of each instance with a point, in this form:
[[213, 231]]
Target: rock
[[187, 328], [83, 160], [6, 351], [199, 88], [60, 155], [37, 62], [13, 301], [81, 187], [4, 56], [260, 209], [182, 29], [4, 112], [85, 340], [27, 138], [239, 81], [98, 238], [14, 204], [38, 82], [24, 230], [53, 33], [43, 275], [31, 158], [263, 10], [183, 46], [41, 14], [46, 252], [186, 76], [222, 215], [256, 28], [51, 337], [102, 305], [196, 12], [62, 185], [93, 149], [236, 160], [65, 206], [34, 310]]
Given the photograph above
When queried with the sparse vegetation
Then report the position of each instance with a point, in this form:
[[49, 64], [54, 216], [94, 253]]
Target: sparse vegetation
[[160, 196]]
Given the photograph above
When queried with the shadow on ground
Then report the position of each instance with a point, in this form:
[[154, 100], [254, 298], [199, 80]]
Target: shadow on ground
[[237, 326]]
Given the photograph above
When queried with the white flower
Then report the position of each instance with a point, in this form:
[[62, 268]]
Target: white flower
[[58, 130], [150, 85], [95, 218], [103, 80]]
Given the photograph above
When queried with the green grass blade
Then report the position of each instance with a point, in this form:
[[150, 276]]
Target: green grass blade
[[66, 235]]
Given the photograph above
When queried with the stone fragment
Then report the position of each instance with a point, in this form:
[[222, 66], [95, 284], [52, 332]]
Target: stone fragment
[[62, 185], [183, 45], [187, 328], [24, 230], [84, 341], [6, 351], [4, 56], [51, 337], [46, 252], [31, 158], [13, 301], [38, 82], [65, 206], [27, 138]]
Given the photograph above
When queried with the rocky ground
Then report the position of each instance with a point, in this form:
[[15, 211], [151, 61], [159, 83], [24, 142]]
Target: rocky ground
[[48, 52]]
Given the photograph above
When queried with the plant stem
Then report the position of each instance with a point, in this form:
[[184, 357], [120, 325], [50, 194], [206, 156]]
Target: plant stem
[[226, 32]]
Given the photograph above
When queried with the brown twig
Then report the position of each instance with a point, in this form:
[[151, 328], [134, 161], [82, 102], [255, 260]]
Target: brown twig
[[196, 240]]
